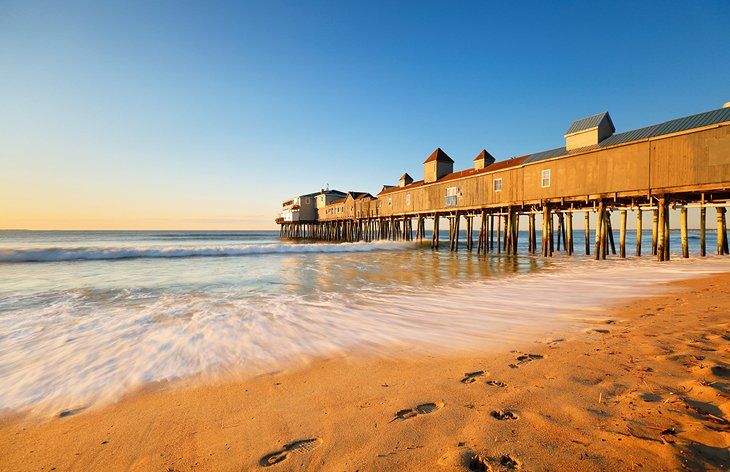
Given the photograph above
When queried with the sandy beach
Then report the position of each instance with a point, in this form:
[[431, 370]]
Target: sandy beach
[[645, 388]]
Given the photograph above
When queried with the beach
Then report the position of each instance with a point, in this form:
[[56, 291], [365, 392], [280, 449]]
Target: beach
[[643, 387]]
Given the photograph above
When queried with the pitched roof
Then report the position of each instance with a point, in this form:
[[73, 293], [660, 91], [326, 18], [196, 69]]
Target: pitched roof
[[515, 161], [323, 192], [484, 154], [335, 202], [405, 176], [590, 122], [438, 155], [391, 189], [699, 120]]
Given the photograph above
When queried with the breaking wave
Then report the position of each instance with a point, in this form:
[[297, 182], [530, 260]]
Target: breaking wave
[[55, 254]]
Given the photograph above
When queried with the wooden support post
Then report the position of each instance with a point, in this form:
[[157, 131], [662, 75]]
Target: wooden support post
[[515, 232], [600, 220], [469, 236], [588, 233], [609, 228], [544, 244], [661, 227], [720, 231], [433, 233], [622, 235], [638, 231], [508, 231], [559, 214], [534, 233], [481, 233], [724, 232], [683, 229], [551, 233], [499, 234], [569, 233], [530, 228], [603, 244], [504, 233], [451, 233], [456, 231], [655, 232], [667, 231], [703, 230]]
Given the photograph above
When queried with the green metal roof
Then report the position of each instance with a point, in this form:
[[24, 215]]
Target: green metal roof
[[699, 120], [590, 122]]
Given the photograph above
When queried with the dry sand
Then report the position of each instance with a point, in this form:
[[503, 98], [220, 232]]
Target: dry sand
[[648, 388]]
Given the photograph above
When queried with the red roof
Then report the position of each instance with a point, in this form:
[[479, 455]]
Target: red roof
[[335, 202], [439, 155], [515, 161], [397, 189], [484, 154]]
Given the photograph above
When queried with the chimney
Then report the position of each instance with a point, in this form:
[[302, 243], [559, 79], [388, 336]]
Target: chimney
[[436, 166], [483, 160], [405, 180]]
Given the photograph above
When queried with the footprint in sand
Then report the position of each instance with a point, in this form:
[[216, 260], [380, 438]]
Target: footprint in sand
[[471, 377], [504, 415], [422, 409], [524, 359], [496, 383], [509, 462], [297, 447], [720, 371], [479, 464]]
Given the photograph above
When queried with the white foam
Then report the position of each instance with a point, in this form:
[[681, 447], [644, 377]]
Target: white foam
[[73, 350], [52, 254]]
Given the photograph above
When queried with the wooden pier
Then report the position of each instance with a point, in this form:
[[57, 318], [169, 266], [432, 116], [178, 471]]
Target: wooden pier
[[660, 169]]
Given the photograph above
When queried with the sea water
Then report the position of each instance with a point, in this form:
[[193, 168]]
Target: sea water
[[88, 316]]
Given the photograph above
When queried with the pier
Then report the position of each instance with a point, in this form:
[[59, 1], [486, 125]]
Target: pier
[[672, 166]]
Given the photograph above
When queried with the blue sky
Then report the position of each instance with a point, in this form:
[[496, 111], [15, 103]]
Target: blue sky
[[208, 115]]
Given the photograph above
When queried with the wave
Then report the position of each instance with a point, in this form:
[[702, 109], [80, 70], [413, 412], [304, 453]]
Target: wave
[[56, 254], [72, 348]]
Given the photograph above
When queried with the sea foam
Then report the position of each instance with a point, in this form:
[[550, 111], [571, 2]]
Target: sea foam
[[54, 254], [71, 348]]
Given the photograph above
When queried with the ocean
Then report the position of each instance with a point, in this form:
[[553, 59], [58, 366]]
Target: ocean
[[86, 317]]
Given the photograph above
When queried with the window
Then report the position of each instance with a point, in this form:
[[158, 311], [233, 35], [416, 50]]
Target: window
[[451, 196], [497, 185], [546, 178], [408, 199], [306, 201], [390, 201]]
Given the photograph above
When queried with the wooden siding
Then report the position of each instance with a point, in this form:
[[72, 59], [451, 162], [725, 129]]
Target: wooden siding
[[698, 158], [691, 159]]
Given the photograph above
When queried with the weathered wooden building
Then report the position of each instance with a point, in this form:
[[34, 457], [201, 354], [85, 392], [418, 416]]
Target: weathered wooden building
[[681, 162]]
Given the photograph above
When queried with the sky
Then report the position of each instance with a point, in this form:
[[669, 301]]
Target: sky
[[207, 115]]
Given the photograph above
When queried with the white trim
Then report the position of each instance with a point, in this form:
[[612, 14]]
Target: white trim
[[545, 177], [494, 184]]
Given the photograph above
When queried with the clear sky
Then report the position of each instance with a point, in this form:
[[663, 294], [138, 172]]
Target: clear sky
[[205, 115]]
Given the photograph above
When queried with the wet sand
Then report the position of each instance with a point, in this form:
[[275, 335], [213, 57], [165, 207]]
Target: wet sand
[[646, 388]]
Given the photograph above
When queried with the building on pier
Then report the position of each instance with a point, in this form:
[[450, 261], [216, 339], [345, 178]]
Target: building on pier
[[678, 163], [305, 208]]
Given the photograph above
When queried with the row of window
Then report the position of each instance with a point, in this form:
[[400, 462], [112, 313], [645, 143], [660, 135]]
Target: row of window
[[544, 181], [453, 193], [334, 210]]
